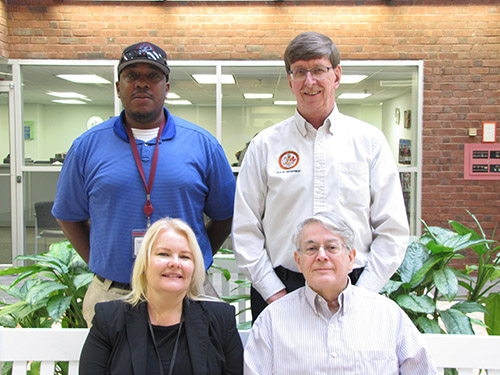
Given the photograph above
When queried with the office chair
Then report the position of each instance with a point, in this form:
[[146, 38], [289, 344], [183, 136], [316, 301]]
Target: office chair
[[45, 223]]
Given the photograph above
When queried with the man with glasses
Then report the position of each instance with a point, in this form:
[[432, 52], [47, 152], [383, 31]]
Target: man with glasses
[[331, 326], [135, 168], [317, 160]]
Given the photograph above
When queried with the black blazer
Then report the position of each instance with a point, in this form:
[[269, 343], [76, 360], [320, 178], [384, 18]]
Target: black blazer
[[120, 332]]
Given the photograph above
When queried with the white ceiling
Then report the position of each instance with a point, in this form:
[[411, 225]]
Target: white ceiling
[[38, 79]]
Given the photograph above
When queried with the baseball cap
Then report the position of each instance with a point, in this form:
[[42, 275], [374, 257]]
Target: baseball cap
[[144, 52]]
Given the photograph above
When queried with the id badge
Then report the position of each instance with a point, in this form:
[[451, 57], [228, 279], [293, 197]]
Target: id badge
[[137, 239]]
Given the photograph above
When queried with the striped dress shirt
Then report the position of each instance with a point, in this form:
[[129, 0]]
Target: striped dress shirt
[[368, 335]]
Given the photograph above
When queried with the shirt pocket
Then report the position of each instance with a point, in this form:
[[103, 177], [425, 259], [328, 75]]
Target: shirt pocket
[[376, 361], [354, 184]]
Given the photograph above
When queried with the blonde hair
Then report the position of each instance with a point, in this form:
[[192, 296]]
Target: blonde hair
[[139, 283]]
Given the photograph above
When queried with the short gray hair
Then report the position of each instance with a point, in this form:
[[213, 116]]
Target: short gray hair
[[311, 45], [330, 222]]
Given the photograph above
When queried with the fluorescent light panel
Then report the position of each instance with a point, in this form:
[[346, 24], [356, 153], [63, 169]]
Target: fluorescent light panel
[[83, 78], [352, 78], [285, 102], [173, 95], [359, 95], [73, 95], [211, 79], [396, 83], [68, 101], [178, 102], [249, 95]]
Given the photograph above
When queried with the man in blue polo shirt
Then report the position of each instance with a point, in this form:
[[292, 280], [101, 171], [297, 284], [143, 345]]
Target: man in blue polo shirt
[[111, 189]]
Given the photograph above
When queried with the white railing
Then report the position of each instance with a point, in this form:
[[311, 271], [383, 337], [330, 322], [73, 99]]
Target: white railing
[[21, 346]]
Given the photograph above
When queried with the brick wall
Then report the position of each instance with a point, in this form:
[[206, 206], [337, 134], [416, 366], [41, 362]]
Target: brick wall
[[460, 44], [3, 29]]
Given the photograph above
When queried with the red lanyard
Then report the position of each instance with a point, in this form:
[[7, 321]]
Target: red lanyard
[[148, 207]]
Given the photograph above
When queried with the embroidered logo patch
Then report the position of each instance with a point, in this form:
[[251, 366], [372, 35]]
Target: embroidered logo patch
[[288, 159]]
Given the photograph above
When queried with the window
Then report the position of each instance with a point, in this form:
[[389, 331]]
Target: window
[[243, 98]]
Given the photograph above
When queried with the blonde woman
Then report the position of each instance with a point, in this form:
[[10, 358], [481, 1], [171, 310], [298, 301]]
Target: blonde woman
[[164, 326]]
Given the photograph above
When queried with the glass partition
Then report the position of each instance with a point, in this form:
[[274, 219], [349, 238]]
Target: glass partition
[[259, 98], [191, 100], [5, 182], [60, 102], [386, 94]]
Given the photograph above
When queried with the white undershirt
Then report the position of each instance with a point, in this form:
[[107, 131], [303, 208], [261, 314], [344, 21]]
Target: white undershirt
[[145, 134]]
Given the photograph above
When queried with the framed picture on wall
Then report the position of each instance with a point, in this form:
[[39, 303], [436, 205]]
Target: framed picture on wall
[[404, 151], [407, 114], [489, 132]]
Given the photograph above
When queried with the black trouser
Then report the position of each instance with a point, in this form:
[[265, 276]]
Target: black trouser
[[292, 280]]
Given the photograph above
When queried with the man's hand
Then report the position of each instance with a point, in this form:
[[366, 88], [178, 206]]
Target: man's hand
[[276, 296]]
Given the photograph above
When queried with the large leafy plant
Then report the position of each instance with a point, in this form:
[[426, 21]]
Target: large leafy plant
[[49, 290], [427, 276]]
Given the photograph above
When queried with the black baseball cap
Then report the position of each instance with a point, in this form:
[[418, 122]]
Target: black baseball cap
[[144, 52]]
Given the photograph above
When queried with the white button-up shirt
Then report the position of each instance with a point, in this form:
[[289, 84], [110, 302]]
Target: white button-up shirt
[[291, 171], [368, 335]]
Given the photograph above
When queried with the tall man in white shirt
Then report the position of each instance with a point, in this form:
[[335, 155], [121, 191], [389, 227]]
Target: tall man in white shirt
[[317, 160], [331, 326]]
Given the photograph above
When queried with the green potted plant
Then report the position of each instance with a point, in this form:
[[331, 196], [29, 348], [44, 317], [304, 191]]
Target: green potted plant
[[427, 276], [48, 291]]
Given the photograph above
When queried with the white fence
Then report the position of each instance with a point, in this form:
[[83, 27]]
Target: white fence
[[21, 346]]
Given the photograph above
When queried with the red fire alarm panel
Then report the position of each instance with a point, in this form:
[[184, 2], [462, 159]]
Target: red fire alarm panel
[[481, 161]]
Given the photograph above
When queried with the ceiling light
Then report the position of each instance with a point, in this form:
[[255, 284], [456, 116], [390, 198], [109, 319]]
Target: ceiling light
[[285, 102], [68, 101], [359, 95], [73, 95], [178, 102], [248, 95], [83, 78], [211, 79], [173, 95], [352, 78], [396, 83]]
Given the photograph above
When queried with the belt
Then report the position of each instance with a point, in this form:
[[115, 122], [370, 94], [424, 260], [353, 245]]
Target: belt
[[115, 284]]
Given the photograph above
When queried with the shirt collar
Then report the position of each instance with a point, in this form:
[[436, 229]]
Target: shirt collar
[[304, 127], [320, 306], [168, 131]]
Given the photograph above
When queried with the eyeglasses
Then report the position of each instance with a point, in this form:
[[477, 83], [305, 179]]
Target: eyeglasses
[[312, 248], [318, 73]]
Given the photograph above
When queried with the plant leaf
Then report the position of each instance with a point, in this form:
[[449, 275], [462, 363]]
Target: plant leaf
[[427, 325], [493, 318], [429, 263], [470, 307], [418, 304], [42, 290], [7, 321], [16, 270], [456, 322], [391, 287], [83, 279], [57, 306], [441, 235], [225, 272], [236, 298], [462, 229], [415, 257], [446, 282]]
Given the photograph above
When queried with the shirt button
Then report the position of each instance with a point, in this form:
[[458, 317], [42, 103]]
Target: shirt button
[[334, 355]]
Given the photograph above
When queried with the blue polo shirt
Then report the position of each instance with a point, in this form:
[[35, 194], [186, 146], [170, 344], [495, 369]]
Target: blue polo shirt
[[100, 181]]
